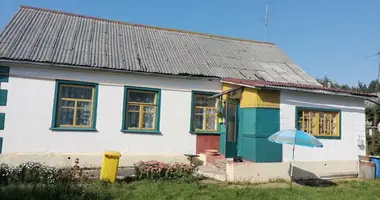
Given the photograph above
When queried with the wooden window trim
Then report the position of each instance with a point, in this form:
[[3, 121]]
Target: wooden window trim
[[156, 111], [193, 114], [55, 126], [316, 110]]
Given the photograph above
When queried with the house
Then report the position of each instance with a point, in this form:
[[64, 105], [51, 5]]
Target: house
[[74, 86]]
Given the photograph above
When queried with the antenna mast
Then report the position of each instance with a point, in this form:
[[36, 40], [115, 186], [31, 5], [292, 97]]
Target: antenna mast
[[266, 19], [378, 60]]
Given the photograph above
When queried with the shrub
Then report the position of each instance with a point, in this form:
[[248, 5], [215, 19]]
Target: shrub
[[32, 172], [155, 170], [4, 174]]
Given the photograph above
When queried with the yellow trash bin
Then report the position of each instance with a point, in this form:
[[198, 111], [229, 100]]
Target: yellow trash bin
[[109, 166]]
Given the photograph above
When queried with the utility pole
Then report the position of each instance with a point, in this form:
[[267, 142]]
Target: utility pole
[[375, 130]]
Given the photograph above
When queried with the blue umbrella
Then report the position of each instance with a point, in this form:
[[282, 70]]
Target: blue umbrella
[[295, 137]]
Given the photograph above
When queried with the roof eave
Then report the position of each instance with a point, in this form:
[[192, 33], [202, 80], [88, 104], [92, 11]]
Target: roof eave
[[99, 69], [302, 90]]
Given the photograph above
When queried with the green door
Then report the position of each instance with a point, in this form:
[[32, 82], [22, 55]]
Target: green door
[[231, 129]]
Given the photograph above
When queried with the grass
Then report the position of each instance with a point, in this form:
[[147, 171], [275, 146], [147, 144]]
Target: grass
[[157, 190]]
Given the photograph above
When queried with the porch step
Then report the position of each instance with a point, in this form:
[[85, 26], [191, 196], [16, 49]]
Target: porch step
[[212, 172], [220, 164]]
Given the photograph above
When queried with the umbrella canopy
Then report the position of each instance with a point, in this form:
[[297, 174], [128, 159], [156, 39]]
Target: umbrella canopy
[[295, 137]]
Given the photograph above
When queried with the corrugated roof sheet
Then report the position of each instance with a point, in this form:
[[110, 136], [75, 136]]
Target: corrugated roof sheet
[[41, 35], [293, 85]]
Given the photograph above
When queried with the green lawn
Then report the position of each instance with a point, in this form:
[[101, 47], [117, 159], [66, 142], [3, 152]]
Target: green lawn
[[157, 190]]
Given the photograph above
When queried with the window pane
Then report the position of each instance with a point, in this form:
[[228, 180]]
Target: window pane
[[134, 96], [148, 120], [198, 123], [67, 103], [211, 122], [199, 111], [84, 104], [133, 119], [201, 100], [83, 117], [148, 108], [76, 92], [66, 116], [133, 108], [211, 111]]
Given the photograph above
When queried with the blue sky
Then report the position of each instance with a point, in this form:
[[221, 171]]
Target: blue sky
[[324, 37]]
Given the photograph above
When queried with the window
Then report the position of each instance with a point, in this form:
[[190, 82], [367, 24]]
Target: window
[[320, 123], [75, 106], [204, 113], [141, 110]]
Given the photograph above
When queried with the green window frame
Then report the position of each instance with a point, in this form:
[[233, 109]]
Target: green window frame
[[78, 102], [206, 111], [141, 110], [322, 123]]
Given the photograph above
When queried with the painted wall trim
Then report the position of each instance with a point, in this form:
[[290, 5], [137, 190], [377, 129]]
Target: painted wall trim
[[3, 97], [298, 108], [54, 126], [2, 121], [124, 128], [4, 74]]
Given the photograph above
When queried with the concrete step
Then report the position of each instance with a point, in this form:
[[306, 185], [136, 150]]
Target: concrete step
[[212, 172]]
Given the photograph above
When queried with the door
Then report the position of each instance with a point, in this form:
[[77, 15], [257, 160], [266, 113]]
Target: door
[[231, 129]]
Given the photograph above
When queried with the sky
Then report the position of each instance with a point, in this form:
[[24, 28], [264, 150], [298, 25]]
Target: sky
[[324, 37]]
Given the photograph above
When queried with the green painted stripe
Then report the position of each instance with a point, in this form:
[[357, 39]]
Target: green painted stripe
[[2, 121], [4, 74], [1, 145], [3, 97]]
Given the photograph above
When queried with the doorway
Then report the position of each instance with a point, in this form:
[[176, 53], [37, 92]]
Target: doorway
[[231, 135]]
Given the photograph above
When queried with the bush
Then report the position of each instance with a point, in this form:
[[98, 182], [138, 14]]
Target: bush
[[32, 172], [155, 170]]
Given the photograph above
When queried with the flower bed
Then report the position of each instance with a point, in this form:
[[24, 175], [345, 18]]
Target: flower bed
[[155, 170], [32, 172]]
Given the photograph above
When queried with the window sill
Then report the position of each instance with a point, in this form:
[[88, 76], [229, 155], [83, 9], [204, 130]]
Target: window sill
[[74, 129], [205, 133], [141, 132], [328, 137]]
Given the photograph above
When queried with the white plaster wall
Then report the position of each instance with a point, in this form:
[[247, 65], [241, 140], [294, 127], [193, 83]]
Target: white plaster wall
[[352, 119], [264, 172], [30, 105]]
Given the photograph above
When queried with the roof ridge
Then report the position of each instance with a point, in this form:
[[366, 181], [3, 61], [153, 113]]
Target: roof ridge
[[148, 26]]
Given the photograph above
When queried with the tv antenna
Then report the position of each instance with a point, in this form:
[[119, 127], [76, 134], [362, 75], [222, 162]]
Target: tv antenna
[[378, 60], [266, 19]]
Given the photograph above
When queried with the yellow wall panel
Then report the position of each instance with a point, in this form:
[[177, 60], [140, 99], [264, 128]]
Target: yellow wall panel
[[249, 98], [268, 99], [229, 86], [254, 98]]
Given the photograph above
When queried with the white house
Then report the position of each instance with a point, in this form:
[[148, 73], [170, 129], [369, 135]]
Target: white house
[[74, 86]]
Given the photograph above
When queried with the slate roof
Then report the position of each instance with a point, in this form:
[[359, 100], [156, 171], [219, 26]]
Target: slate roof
[[41, 35]]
